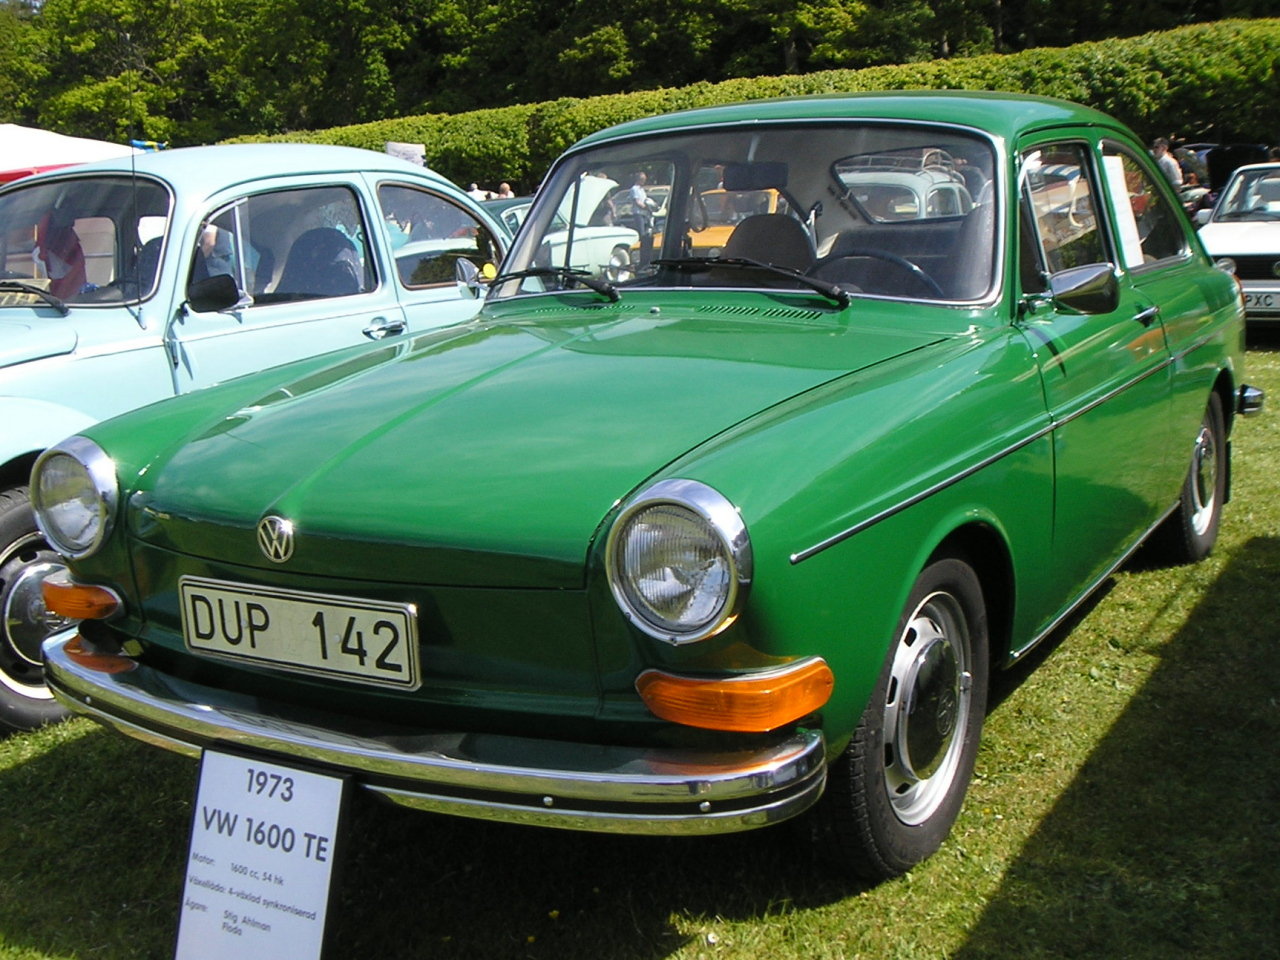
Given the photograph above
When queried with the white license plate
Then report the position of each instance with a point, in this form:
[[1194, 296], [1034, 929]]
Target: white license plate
[[1262, 301], [367, 641]]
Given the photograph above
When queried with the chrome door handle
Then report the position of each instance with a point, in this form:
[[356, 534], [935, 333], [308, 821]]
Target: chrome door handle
[[1147, 317], [382, 328]]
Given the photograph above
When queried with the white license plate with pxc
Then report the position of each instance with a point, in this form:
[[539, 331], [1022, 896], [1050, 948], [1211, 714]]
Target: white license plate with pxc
[[1262, 301], [367, 641]]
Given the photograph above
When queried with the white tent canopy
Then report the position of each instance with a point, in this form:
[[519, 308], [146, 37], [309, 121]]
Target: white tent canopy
[[25, 150]]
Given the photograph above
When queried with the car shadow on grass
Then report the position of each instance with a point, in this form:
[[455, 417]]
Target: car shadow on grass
[[1167, 842]]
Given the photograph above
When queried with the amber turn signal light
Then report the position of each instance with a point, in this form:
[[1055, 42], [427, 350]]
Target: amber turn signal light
[[755, 703], [78, 601]]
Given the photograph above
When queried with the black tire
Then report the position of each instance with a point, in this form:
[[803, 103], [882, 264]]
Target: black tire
[[1192, 529], [892, 797], [25, 559]]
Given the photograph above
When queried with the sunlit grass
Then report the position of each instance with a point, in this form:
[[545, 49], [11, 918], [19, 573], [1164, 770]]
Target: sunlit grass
[[1126, 805]]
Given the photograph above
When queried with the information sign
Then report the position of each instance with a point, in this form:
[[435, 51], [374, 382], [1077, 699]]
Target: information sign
[[260, 866]]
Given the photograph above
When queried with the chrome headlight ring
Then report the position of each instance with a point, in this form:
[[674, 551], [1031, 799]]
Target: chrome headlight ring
[[679, 561], [75, 494]]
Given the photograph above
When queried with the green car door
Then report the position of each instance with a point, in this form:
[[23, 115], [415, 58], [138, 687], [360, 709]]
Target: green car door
[[1104, 367]]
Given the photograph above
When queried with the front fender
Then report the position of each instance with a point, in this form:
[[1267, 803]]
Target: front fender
[[33, 425]]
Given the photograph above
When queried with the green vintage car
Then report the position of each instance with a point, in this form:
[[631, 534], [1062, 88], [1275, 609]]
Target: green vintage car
[[697, 551]]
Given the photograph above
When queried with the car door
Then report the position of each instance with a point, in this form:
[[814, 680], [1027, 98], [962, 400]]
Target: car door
[[427, 234], [303, 263], [1103, 364], [1156, 245]]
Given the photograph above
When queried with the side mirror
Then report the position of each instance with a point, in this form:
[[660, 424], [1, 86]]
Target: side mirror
[[467, 275], [1092, 288], [471, 279], [213, 294], [1202, 216]]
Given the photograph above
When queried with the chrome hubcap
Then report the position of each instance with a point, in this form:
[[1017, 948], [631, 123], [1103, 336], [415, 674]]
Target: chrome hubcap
[[1204, 481], [24, 566], [927, 708]]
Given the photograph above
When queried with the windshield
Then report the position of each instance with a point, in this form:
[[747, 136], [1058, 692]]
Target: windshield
[[84, 240], [889, 210], [1252, 195]]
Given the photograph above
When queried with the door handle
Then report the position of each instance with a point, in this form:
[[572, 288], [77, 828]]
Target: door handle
[[381, 328], [1147, 317]]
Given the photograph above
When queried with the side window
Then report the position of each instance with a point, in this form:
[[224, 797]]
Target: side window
[[430, 234], [1059, 223], [288, 245], [1147, 225]]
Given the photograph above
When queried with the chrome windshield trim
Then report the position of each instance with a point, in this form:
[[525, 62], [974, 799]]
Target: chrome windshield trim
[[585, 786]]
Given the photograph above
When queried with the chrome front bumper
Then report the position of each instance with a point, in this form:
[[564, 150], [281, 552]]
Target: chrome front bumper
[[576, 786]]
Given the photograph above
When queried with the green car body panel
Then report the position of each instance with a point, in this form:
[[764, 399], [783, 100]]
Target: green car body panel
[[477, 472]]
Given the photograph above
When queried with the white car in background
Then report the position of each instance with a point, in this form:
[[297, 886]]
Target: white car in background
[[1244, 227], [584, 233]]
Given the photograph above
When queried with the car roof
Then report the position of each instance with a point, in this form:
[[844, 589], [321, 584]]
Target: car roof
[[1003, 114], [1256, 168], [225, 165]]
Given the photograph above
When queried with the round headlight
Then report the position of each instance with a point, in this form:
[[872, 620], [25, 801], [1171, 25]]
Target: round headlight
[[679, 561], [74, 493]]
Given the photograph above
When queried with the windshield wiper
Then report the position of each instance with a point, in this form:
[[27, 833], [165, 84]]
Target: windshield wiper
[[828, 290], [22, 286], [583, 277]]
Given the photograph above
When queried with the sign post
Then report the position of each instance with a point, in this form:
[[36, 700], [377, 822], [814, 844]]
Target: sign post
[[264, 837]]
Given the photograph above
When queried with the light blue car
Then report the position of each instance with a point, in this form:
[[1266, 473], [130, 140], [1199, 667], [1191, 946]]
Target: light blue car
[[124, 282]]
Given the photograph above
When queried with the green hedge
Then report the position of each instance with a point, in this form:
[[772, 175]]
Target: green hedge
[[1218, 79]]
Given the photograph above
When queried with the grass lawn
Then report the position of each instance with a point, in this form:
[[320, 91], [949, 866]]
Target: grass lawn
[[1126, 805]]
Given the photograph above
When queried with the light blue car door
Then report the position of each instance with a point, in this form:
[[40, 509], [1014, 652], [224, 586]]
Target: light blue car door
[[303, 260]]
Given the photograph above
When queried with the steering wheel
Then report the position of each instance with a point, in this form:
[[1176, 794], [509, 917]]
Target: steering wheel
[[902, 263], [698, 216]]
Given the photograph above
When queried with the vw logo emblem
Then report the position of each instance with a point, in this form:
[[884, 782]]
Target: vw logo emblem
[[1275, 269], [275, 538]]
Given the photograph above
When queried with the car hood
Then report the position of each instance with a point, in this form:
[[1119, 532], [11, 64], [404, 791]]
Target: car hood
[[486, 454], [1226, 239], [22, 342]]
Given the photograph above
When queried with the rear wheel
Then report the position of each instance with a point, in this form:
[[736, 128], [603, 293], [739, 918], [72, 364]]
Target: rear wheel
[[1192, 530], [25, 561], [892, 797]]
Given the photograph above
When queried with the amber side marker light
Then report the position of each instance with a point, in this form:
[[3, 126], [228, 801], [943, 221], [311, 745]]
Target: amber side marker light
[[755, 703], [77, 652], [78, 601]]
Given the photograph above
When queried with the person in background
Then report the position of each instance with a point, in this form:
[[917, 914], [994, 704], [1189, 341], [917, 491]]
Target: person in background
[[642, 208], [475, 193], [504, 191], [59, 254], [1166, 161]]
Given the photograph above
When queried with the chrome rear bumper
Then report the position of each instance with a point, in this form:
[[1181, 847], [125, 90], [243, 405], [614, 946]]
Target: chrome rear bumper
[[613, 789]]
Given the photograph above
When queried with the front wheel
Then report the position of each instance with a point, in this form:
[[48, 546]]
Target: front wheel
[[619, 267], [25, 561], [893, 795]]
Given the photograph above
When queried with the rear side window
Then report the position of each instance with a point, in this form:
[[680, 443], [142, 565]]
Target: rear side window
[[429, 234], [1147, 225]]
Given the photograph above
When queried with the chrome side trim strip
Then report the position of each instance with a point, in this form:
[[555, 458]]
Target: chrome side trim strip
[[583, 786], [801, 555]]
